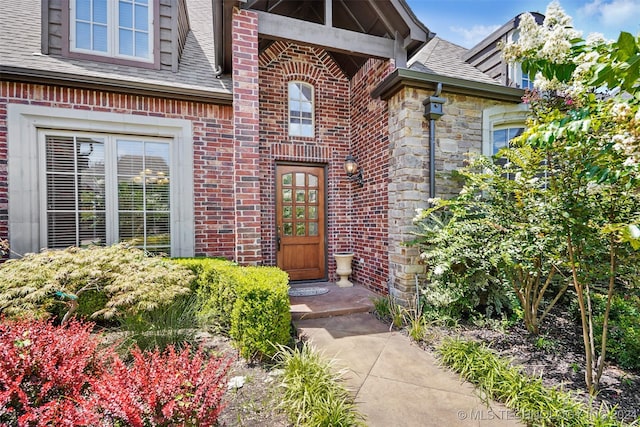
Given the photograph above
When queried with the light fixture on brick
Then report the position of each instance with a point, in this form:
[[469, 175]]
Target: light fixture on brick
[[353, 172]]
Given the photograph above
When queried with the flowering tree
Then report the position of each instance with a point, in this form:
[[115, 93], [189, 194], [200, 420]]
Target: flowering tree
[[585, 116]]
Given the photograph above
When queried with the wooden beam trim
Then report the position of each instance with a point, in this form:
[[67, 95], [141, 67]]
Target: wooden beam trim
[[284, 28]]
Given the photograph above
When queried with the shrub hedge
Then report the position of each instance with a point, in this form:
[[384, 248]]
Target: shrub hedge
[[251, 304]]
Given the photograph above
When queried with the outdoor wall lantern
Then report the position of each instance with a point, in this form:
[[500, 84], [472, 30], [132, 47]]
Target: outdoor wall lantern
[[353, 172]]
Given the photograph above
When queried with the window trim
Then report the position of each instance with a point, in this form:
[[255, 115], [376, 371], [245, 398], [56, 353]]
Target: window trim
[[112, 211], [24, 122], [501, 116], [313, 108], [153, 62]]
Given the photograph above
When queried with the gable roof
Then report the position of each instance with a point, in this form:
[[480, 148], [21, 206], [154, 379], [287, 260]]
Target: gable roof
[[442, 62], [350, 31], [21, 59], [442, 57]]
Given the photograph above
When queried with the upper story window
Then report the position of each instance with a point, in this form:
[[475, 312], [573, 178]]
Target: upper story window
[[526, 81], [120, 29], [300, 109]]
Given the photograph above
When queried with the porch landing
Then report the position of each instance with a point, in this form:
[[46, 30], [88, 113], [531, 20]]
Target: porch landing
[[337, 302]]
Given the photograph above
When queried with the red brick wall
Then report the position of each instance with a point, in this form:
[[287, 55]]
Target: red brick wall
[[370, 148], [244, 45], [212, 143], [280, 63], [347, 121]]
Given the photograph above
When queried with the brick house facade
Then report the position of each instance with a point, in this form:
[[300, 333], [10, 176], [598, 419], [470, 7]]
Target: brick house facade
[[216, 103]]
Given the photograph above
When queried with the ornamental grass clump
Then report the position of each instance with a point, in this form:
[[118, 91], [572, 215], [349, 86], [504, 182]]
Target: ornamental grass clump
[[312, 393], [534, 403]]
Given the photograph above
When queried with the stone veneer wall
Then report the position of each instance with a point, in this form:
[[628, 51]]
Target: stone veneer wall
[[457, 132]]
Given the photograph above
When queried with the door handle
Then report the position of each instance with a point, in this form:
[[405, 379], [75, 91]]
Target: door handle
[[278, 240]]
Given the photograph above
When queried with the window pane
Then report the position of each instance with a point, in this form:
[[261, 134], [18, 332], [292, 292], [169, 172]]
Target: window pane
[[83, 35], [100, 11], [313, 181], [61, 192], [300, 195], [130, 193], [75, 191], [306, 92], [294, 91], [61, 230], [125, 14], [130, 154], [60, 154], [300, 212], [287, 229], [157, 229], [286, 179], [286, 195], [313, 229], [83, 10], [142, 18], [92, 193], [300, 179], [125, 42], [287, 212], [499, 140], [142, 45], [157, 194], [131, 227], [100, 42], [313, 212], [307, 130], [92, 228], [300, 229], [313, 196]]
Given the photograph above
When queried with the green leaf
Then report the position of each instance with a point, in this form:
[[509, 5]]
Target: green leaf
[[626, 45]]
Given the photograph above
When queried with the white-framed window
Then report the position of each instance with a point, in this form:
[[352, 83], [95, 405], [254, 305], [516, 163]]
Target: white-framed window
[[78, 177], [500, 124], [115, 28], [502, 135], [525, 81], [103, 189], [301, 109]]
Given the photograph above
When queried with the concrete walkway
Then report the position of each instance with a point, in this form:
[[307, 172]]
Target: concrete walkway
[[395, 382]]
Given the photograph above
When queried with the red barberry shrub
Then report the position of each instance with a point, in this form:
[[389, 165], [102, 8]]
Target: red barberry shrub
[[45, 372], [161, 389]]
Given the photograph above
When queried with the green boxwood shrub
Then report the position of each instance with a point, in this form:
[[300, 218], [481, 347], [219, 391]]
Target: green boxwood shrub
[[251, 304], [261, 315], [215, 286]]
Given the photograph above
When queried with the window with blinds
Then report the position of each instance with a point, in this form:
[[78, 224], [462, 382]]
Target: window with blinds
[[106, 189]]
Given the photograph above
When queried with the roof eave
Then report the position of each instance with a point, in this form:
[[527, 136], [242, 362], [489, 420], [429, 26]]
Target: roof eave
[[403, 77], [115, 85]]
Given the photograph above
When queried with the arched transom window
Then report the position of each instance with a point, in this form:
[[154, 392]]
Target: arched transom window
[[300, 109]]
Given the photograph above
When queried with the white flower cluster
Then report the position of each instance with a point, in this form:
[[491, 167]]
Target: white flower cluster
[[621, 112], [551, 40], [627, 141]]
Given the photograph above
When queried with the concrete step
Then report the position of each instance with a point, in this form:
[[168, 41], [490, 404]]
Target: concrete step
[[337, 302]]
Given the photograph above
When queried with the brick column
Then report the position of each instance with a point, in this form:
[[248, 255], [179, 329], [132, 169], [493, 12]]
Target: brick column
[[408, 187], [246, 144]]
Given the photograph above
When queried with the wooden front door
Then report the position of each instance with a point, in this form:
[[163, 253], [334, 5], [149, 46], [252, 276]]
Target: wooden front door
[[300, 221]]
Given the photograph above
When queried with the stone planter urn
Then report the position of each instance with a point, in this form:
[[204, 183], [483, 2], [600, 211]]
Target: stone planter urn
[[343, 268]]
